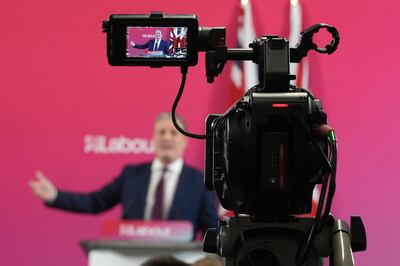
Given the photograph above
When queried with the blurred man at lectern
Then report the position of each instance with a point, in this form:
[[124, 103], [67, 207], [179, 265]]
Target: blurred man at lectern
[[163, 189]]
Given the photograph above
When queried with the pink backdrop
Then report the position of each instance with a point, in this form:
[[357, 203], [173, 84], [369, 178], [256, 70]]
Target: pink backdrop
[[56, 90]]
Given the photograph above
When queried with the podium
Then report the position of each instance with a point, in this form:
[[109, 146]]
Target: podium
[[134, 253], [130, 243]]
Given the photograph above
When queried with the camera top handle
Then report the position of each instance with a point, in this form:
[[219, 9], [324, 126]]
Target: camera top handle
[[217, 54], [306, 42]]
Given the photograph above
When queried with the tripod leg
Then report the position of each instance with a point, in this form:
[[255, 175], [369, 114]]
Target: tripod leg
[[342, 254]]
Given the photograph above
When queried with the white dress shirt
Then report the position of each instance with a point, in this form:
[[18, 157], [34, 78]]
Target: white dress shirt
[[171, 177]]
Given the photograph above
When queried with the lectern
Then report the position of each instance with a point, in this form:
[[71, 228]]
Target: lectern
[[134, 253], [130, 243]]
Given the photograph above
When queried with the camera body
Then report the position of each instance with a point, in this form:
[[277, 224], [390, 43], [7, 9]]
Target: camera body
[[265, 154], [261, 155], [260, 160]]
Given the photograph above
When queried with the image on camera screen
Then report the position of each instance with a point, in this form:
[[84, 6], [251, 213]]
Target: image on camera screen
[[154, 42]]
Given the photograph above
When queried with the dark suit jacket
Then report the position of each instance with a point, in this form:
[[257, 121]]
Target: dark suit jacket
[[150, 45], [192, 202]]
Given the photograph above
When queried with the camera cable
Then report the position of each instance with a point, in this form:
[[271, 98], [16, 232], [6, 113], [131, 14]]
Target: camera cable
[[328, 181], [219, 121], [184, 70]]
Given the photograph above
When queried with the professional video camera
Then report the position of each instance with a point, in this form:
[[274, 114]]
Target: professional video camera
[[265, 155]]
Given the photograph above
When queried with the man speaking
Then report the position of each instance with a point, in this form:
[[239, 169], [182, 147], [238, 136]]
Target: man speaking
[[157, 44], [163, 189]]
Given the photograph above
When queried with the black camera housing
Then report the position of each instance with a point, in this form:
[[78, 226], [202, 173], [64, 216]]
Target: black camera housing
[[117, 38], [260, 160]]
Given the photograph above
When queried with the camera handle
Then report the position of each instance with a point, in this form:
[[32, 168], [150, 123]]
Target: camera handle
[[306, 42], [220, 54]]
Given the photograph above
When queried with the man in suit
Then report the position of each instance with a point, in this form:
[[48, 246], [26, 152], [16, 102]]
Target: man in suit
[[157, 44], [164, 189]]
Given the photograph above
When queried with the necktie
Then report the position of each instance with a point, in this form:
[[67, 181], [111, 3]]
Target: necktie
[[157, 211], [156, 44]]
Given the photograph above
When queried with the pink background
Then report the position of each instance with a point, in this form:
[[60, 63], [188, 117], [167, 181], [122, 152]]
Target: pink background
[[56, 87]]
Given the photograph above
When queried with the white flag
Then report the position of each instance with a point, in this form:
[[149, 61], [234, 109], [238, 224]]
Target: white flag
[[301, 70], [244, 74]]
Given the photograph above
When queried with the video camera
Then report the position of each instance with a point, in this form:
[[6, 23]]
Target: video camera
[[266, 153]]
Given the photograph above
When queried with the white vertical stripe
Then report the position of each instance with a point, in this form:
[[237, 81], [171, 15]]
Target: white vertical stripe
[[247, 36], [306, 74], [236, 76], [295, 29], [295, 23]]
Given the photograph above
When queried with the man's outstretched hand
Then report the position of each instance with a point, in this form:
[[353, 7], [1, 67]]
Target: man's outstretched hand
[[43, 188]]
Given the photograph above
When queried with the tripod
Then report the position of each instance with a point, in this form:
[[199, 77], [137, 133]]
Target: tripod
[[277, 241]]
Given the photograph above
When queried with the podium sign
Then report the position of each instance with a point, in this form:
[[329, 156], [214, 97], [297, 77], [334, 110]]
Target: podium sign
[[130, 243], [168, 231]]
